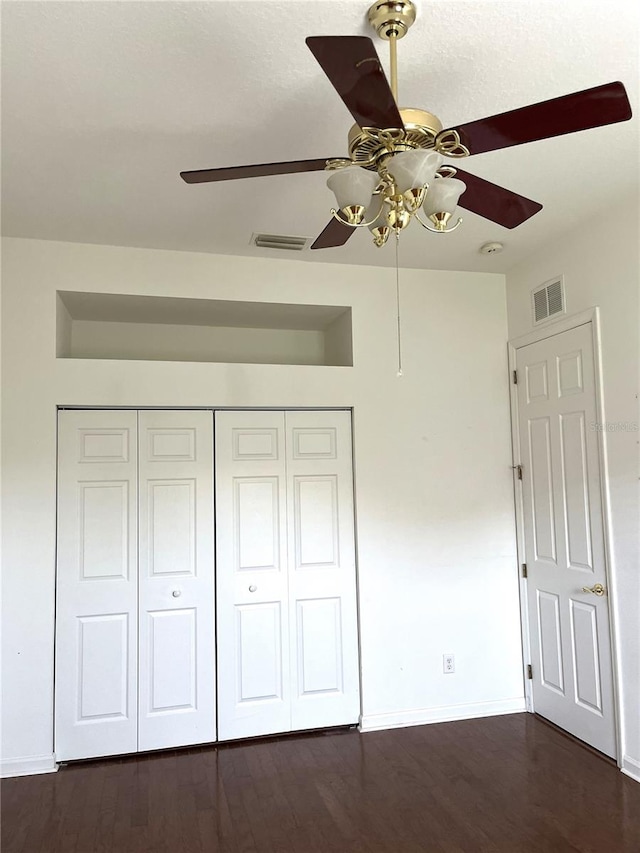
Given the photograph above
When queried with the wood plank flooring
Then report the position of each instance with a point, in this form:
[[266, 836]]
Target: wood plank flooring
[[510, 784]]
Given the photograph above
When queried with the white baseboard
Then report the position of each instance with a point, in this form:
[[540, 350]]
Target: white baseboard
[[442, 714], [28, 766], [631, 767]]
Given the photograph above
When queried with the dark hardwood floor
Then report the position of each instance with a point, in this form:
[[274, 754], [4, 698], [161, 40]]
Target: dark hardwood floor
[[509, 784]]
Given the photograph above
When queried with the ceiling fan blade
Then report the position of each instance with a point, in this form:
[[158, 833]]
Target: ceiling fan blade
[[231, 173], [353, 67], [495, 203], [335, 234], [595, 107]]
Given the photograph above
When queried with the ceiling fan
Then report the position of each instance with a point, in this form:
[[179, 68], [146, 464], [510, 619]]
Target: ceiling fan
[[395, 169]]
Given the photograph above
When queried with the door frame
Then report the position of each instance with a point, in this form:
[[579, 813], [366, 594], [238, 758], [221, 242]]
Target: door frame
[[590, 316]]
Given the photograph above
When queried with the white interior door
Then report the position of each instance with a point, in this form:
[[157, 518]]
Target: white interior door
[[564, 543], [97, 585], [176, 616], [323, 628], [252, 592]]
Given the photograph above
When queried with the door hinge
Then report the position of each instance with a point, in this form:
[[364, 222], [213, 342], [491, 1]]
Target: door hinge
[[515, 377], [518, 469], [524, 571], [529, 671]]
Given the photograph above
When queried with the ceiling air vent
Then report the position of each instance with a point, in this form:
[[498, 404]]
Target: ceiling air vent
[[548, 300], [280, 241]]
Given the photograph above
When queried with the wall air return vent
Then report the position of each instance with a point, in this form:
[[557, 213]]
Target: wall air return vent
[[280, 241], [548, 300]]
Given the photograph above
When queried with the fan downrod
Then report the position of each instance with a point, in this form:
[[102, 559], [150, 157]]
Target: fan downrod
[[391, 19]]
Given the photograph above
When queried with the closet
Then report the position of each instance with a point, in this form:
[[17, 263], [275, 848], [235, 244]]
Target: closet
[[286, 601], [135, 632], [145, 589]]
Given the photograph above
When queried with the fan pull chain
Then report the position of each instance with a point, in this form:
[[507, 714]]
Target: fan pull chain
[[398, 306]]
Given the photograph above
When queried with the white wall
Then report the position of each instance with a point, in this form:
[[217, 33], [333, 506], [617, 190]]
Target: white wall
[[601, 265], [155, 342], [437, 561]]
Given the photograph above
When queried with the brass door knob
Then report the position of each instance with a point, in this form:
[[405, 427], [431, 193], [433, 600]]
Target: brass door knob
[[596, 589]]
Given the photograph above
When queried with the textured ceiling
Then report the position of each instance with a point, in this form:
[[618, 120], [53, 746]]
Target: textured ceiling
[[105, 102]]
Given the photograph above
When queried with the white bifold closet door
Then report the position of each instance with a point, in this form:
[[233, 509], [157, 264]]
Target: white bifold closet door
[[135, 658], [286, 584], [176, 568], [96, 679]]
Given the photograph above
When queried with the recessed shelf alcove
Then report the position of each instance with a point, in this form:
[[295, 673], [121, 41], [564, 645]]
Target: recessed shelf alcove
[[158, 328]]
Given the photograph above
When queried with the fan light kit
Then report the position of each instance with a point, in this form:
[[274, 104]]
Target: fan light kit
[[395, 171]]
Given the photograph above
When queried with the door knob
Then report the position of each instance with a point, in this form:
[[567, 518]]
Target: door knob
[[253, 588], [176, 593], [596, 589]]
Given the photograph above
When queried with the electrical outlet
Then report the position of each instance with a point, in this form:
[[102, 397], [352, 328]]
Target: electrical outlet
[[448, 664]]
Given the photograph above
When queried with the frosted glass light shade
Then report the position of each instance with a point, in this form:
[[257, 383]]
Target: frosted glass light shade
[[352, 185], [414, 169], [374, 206], [443, 195]]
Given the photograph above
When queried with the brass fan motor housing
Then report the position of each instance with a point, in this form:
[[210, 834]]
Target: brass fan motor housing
[[368, 146], [392, 18]]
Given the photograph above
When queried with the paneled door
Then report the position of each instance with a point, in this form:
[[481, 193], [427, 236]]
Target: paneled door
[[323, 631], [97, 585], [252, 578], [135, 634], [564, 542], [176, 558], [286, 589]]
